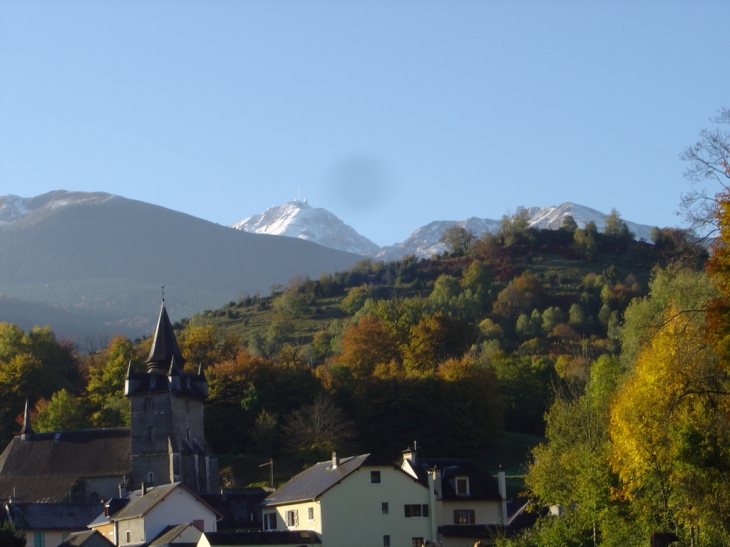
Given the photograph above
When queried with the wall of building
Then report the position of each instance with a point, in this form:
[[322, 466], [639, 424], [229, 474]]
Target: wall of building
[[179, 506], [485, 512], [352, 510]]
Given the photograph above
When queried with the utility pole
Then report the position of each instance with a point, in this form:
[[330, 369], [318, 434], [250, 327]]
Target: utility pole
[[270, 463]]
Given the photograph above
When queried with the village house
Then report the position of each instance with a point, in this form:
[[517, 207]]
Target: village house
[[48, 524], [356, 501], [468, 505], [145, 514]]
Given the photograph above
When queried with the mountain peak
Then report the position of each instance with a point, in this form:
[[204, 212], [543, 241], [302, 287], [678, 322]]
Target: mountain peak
[[299, 219]]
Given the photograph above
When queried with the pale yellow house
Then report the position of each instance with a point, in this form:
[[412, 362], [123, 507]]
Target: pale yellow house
[[468, 504], [354, 502]]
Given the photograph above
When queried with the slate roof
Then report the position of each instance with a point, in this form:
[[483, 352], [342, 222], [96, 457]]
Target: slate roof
[[238, 508], [164, 346], [170, 533], [88, 537], [316, 480], [52, 516], [45, 466], [273, 537], [142, 505], [482, 486]]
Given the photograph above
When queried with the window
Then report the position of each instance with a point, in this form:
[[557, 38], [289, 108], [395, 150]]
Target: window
[[39, 539], [150, 432], [386, 541], [416, 542], [462, 486], [150, 479], [415, 510], [129, 536], [464, 516], [310, 513], [374, 477], [384, 506], [187, 401], [269, 521], [292, 518], [187, 434], [149, 404]]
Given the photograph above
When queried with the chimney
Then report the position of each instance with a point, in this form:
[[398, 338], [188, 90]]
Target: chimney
[[143, 487], [502, 481], [409, 454], [335, 460]]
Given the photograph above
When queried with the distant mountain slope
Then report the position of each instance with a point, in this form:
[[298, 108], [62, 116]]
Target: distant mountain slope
[[298, 219], [424, 242], [109, 255]]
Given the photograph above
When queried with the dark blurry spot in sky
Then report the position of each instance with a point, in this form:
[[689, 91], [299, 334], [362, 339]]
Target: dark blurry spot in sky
[[358, 183]]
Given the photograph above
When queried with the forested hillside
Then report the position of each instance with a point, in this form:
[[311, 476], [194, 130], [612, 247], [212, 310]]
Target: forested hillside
[[462, 353]]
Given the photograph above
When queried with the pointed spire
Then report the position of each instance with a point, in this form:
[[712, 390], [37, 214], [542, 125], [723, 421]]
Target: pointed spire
[[164, 346], [27, 427], [129, 371], [201, 370]]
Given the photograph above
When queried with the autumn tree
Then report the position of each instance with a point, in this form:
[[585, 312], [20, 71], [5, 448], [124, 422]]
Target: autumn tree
[[434, 339], [366, 344]]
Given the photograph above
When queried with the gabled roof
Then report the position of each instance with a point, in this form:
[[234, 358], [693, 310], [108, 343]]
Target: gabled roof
[[44, 466], [164, 346], [170, 533], [316, 480], [87, 537], [482, 486], [142, 505], [270, 537], [52, 516]]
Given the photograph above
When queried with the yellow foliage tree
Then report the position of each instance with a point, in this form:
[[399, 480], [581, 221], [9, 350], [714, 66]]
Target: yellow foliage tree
[[670, 432]]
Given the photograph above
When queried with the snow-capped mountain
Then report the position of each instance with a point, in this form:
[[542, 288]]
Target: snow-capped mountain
[[299, 219], [14, 208], [424, 242]]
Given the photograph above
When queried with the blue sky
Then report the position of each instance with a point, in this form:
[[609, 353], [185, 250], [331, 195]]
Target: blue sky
[[389, 114]]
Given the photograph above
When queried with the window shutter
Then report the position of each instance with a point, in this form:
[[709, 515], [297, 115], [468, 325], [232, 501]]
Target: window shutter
[[472, 520], [408, 510], [456, 516], [424, 510]]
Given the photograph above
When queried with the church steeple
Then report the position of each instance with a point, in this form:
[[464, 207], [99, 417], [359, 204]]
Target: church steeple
[[27, 430], [164, 346]]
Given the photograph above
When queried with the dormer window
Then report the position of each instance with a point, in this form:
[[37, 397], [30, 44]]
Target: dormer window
[[462, 486]]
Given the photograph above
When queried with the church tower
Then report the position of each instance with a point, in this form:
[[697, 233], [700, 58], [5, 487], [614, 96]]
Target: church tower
[[167, 427]]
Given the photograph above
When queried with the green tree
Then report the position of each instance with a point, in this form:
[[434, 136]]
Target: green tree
[[458, 240], [62, 412]]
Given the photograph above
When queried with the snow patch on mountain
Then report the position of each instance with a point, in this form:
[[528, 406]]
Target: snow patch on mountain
[[14, 208], [299, 219], [424, 242]]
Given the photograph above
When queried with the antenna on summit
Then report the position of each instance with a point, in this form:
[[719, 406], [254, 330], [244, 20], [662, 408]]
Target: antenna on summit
[[163, 293]]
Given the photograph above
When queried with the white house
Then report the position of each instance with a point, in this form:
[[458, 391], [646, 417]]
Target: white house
[[150, 512], [357, 501]]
